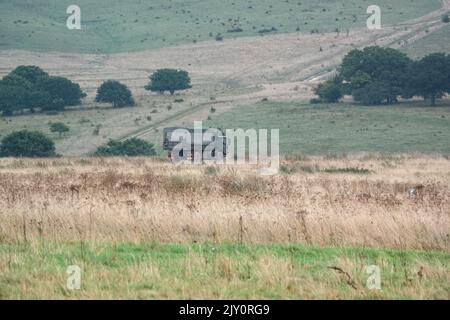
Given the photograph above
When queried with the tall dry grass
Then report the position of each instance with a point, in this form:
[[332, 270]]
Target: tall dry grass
[[151, 200]]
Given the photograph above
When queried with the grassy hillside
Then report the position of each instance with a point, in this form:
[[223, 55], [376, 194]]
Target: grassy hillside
[[304, 128], [345, 128], [117, 25], [224, 271], [438, 41]]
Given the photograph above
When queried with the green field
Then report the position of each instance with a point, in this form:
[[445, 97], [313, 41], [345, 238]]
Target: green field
[[117, 26], [340, 128], [304, 128], [148, 271]]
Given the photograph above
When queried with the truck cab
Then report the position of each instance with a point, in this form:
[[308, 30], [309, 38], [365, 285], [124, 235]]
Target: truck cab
[[176, 136]]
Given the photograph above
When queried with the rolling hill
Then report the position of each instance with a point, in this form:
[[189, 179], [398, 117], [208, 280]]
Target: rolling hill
[[110, 26], [229, 76]]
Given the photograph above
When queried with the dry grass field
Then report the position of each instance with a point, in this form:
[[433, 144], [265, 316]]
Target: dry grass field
[[345, 201], [142, 228]]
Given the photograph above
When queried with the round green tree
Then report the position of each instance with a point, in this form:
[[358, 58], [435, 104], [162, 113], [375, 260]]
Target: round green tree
[[33, 74], [27, 144], [169, 80], [116, 93], [59, 127], [384, 70]]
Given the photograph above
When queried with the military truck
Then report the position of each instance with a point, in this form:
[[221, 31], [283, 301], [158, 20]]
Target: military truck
[[211, 142]]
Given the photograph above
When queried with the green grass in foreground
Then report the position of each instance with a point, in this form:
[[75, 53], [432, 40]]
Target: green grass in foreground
[[149, 271], [340, 128], [125, 25]]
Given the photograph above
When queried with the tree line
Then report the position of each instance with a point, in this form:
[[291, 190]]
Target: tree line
[[376, 75], [31, 88], [35, 144]]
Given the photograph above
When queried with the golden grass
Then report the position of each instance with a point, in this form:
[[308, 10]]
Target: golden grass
[[150, 200]]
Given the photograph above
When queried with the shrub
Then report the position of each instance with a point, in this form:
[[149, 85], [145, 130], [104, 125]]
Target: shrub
[[132, 147], [234, 30], [263, 31], [445, 18], [233, 186], [27, 144], [330, 91], [59, 127], [354, 170], [371, 94]]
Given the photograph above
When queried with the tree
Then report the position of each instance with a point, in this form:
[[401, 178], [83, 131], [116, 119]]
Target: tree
[[62, 91], [383, 68], [15, 80], [429, 77], [30, 73], [132, 147], [59, 127], [116, 93], [27, 144], [12, 98], [329, 91], [169, 80], [37, 90], [371, 94]]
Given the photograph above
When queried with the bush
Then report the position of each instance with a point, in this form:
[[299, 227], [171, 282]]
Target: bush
[[132, 147], [27, 144], [330, 91], [59, 127], [371, 94], [116, 93], [234, 30], [445, 18]]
